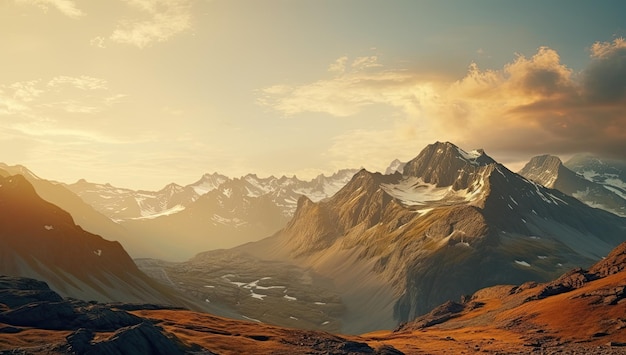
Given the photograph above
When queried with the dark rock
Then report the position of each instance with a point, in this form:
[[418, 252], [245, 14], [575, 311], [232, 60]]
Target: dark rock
[[102, 318], [43, 315], [571, 280], [19, 291], [79, 341], [144, 338], [10, 330], [438, 315], [388, 350], [613, 263]]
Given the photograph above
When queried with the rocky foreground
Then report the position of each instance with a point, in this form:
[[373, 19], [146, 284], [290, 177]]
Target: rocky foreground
[[582, 312], [36, 320]]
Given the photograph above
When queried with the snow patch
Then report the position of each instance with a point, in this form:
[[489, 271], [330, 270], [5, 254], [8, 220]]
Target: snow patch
[[149, 213], [414, 191], [423, 211], [257, 296], [471, 156], [290, 298], [48, 227], [542, 257], [98, 252], [522, 262]]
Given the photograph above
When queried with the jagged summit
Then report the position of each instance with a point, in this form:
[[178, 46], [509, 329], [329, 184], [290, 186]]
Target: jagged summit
[[445, 164], [544, 170]]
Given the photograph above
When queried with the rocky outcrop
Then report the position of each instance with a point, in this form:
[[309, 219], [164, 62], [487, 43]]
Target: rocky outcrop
[[27, 303], [65, 326], [613, 263], [143, 338]]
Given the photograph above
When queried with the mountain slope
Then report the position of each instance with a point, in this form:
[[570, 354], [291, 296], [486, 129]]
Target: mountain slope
[[83, 214], [40, 240], [582, 311], [611, 173], [548, 171], [452, 223]]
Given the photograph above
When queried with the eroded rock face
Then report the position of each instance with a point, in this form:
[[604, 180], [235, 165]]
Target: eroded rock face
[[612, 264], [30, 303], [17, 291], [142, 338]]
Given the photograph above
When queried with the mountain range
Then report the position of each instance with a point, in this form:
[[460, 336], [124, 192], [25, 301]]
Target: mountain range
[[381, 251], [453, 222], [177, 222]]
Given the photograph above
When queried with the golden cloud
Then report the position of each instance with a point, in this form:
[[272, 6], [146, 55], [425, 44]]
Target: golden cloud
[[531, 105]]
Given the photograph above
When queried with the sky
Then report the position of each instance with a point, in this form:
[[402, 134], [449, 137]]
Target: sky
[[141, 93]]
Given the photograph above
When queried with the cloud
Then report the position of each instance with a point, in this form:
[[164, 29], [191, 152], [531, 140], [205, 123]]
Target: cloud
[[604, 80], [532, 105], [351, 90], [98, 41], [66, 7], [39, 99], [160, 20], [47, 129], [82, 82]]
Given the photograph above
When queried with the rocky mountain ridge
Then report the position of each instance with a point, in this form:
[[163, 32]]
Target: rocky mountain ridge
[[121, 204], [550, 172]]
